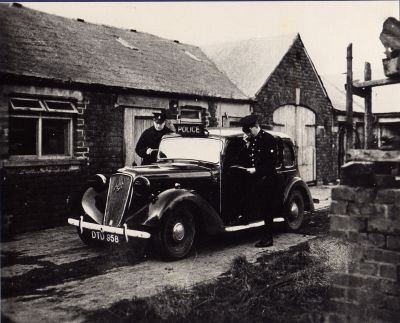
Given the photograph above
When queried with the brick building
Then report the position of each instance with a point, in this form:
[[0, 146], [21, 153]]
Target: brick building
[[74, 98], [279, 74]]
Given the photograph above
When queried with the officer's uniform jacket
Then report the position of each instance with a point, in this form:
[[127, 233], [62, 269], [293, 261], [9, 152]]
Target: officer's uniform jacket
[[150, 138], [263, 154]]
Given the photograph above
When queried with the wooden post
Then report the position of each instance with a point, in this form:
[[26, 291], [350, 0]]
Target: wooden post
[[349, 97], [368, 138]]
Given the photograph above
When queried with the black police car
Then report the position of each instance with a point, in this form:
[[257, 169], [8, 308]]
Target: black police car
[[190, 189]]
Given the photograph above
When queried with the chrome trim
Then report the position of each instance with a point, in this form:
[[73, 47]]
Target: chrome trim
[[178, 232], [250, 225], [127, 201], [125, 232], [80, 224], [102, 177], [104, 228]]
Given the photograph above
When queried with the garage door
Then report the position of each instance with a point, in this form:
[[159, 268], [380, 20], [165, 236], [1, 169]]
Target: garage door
[[299, 123]]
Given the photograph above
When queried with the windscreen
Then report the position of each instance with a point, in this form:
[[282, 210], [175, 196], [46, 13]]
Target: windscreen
[[203, 149]]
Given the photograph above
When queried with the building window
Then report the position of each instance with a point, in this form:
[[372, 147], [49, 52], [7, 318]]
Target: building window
[[190, 115], [26, 104], [46, 134], [59, 106]]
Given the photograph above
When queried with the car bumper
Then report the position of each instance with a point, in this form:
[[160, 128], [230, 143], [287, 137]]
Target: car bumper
[[124, 231]]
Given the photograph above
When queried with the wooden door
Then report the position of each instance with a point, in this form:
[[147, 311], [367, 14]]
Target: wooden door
[[136, 120], [141, 124], [299, 123]]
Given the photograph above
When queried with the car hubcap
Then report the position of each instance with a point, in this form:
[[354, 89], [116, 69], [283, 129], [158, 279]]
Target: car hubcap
[[294, 211], [178, 232]]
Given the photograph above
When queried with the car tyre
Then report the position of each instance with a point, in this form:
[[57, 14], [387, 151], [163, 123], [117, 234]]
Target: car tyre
[[294, 211], [175, 237]]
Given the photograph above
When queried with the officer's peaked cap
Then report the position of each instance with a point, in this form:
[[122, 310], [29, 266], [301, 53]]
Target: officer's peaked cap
[[159, 117], [248, 121]]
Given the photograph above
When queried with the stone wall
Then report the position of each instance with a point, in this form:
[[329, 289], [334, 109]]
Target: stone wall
[[366, 216]]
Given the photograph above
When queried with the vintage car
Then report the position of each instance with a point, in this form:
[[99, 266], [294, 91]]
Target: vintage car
[[190, 189]]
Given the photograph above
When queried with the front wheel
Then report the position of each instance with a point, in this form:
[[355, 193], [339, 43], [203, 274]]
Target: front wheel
[[294, 211], [175, 237]]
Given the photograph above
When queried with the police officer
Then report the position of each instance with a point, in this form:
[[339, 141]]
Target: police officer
[[262, 153], [149, 141]]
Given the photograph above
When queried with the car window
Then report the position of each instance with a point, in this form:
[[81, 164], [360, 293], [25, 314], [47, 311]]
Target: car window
[[288, 155], [234, 148], [203, 149]]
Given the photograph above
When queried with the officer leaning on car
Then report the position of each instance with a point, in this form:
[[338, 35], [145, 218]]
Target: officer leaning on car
[[262, 155], [149, 141]]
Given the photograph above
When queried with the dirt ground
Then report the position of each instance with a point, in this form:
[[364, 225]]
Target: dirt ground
[[51, 276]]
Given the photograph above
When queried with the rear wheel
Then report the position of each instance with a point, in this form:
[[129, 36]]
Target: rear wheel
[[175, 237], [294, 211]]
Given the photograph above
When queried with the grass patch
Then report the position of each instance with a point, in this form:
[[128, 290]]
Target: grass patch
[[283, 287]]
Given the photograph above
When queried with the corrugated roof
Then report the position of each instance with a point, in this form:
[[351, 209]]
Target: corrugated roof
[[249, 63], [46, 46]]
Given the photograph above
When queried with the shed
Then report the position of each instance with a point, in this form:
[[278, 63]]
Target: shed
[[74, 98], [290, 96]]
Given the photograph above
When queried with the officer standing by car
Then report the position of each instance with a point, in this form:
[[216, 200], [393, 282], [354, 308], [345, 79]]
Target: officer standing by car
[[149, 141], [262, 153]]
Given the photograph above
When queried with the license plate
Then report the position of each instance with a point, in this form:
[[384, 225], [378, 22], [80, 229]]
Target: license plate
[[109, 237]]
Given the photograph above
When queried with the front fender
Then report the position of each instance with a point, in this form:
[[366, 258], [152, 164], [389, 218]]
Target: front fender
[[299, 184], [169, 199], [93, 204]]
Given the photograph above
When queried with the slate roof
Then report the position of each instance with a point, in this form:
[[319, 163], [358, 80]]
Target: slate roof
[[249, 63], [45, 46]]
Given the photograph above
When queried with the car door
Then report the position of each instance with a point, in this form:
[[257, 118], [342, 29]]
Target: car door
[[232, 179]]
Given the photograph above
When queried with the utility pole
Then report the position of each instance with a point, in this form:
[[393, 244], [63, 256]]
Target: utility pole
[[349, 97], [368, 109]]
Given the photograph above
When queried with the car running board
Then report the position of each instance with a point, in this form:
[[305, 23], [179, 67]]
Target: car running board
[[250, 225]]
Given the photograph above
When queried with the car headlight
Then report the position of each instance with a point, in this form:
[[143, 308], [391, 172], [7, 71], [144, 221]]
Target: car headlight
[[141, 186], [98, 182]]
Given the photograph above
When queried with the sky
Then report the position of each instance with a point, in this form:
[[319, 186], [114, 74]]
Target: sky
[[326, 27]]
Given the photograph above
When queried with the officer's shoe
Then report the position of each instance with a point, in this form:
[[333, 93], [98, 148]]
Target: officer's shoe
[[264, 243]]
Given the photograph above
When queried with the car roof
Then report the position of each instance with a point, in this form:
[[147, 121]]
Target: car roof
[[235, 132]]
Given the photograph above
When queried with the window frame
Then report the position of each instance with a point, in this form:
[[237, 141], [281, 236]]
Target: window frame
[[17, 108], [293, 154], [45, 103], [39, 138], [190, 120]]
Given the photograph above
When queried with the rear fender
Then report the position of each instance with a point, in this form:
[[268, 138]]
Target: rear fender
[[298, 184], [169, 199]]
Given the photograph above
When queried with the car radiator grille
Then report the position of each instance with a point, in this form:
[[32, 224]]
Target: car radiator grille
[[117, 199]]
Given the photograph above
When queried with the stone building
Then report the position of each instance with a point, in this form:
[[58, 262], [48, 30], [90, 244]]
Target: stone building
[[279, 74], [74, 98]]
